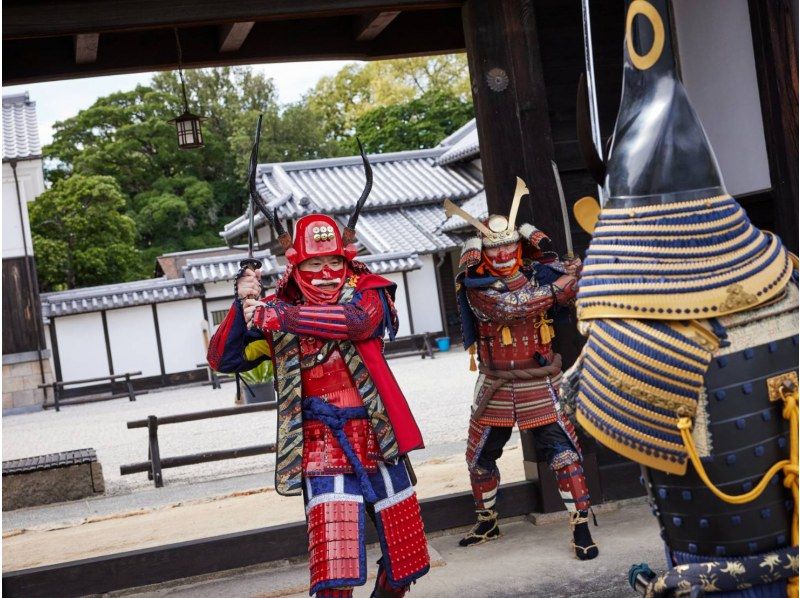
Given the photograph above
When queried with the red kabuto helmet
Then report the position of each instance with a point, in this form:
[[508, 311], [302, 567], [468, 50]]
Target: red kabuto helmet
[[317, 235]]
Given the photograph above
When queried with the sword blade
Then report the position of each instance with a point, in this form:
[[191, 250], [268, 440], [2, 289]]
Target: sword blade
[[564, 212], [251, 185]]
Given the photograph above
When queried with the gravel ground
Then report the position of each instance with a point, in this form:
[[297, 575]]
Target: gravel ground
[[439, 392]]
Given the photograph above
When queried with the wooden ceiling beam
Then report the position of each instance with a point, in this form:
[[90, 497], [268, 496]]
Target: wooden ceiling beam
[[411, 34], [86, 47], [46, 18], [370, 26], [232, 36]]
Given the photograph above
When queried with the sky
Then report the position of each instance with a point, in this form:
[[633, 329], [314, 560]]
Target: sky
[[58, 100]]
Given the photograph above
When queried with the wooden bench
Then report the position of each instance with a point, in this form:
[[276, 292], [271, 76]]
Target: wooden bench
[[155, 463], [58, 390], [56, 477], [416, 344]]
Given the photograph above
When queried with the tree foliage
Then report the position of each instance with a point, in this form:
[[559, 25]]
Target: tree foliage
[[416, 124], [81, 234], [175, 200]]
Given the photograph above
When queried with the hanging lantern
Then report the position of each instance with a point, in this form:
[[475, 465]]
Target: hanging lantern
[[190, 131], [187, 125]]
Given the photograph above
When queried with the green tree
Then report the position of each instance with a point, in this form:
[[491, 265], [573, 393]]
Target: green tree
[[81, 234], [416, 124], [340, 100]]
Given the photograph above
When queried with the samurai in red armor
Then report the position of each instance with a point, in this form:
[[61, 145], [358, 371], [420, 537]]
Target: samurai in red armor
[[344, 426], [507, 305]]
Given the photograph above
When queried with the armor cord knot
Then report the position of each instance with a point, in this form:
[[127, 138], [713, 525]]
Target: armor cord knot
[[789, 467]]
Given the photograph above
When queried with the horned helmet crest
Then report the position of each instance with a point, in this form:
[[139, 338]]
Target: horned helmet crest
[[318, 234], [496, 230]]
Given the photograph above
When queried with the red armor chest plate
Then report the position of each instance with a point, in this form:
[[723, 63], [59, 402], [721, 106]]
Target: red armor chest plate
[[497, 353], [331, 381]]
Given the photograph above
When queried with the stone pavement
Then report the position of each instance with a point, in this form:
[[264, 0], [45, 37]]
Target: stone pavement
[[527, 560]]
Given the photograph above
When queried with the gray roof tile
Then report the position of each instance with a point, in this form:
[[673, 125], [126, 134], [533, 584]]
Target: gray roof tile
[[465, 148], [20, 129], [332, 186], [222, 268], [124, 294]]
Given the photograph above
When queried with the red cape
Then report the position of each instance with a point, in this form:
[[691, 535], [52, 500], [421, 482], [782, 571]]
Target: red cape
[[405, 427]]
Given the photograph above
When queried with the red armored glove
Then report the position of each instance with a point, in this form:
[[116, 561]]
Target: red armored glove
[[266, 318]]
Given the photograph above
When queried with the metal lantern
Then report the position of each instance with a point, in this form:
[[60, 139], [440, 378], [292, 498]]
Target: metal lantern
[[188, 125], [190, 131]]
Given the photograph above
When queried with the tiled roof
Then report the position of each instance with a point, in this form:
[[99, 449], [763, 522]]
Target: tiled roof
[[124, 294], [389, 263], [333, 186], [462, 147], [20, 129], [196, 272], [407, 229], [221, 268], [475, 206]]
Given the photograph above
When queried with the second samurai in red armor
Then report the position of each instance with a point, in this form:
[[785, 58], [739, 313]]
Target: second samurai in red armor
[[344, 426], [508, 296]]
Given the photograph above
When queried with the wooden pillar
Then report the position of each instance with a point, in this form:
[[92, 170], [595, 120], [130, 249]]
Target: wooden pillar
[[511, 108], [774, 48], [513, 120]]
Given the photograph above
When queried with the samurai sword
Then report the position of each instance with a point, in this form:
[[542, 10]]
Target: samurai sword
[[564, 213], [251, 262]]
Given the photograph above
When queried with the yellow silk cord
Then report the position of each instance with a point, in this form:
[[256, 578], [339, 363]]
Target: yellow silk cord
[[473, 367], [546, 331], [787, 466]]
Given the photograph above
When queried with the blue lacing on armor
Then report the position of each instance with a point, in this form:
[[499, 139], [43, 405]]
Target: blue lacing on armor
[[314, 408]]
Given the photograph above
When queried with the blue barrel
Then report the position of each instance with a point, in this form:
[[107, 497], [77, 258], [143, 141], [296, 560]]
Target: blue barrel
[[444, 343]]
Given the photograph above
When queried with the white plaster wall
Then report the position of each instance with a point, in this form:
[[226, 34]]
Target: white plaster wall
[[715, 48], [132, 336], [81, 346], [181, 324], [400, 304], [31, 185], [219, 289], [425, 297]]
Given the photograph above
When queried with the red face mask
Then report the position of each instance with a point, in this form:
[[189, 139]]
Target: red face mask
[[504, 254], [316, 294]]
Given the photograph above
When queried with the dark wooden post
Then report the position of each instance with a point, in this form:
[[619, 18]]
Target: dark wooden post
[[153, 453], [511, 108], [774, 48]]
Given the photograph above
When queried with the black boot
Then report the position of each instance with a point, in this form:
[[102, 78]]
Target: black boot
[[382, 588], [582, 543], [484, 530]]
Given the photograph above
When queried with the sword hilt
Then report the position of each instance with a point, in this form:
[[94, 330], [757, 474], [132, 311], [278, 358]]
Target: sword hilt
[[250, 263]]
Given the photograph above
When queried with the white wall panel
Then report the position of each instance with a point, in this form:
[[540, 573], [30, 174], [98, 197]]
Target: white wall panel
[[400, 304], [132, 336], [181, 324], [81, 346], [31, 184], [425, 297], [715, 47]]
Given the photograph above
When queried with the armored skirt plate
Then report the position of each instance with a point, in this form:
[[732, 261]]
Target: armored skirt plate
[[747, 435]]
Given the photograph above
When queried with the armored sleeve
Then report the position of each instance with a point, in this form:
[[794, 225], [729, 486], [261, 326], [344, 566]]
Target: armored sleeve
[[229, 348], [362, 318]]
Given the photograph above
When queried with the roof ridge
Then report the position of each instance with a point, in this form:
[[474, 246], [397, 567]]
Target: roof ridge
[[354, 160]]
